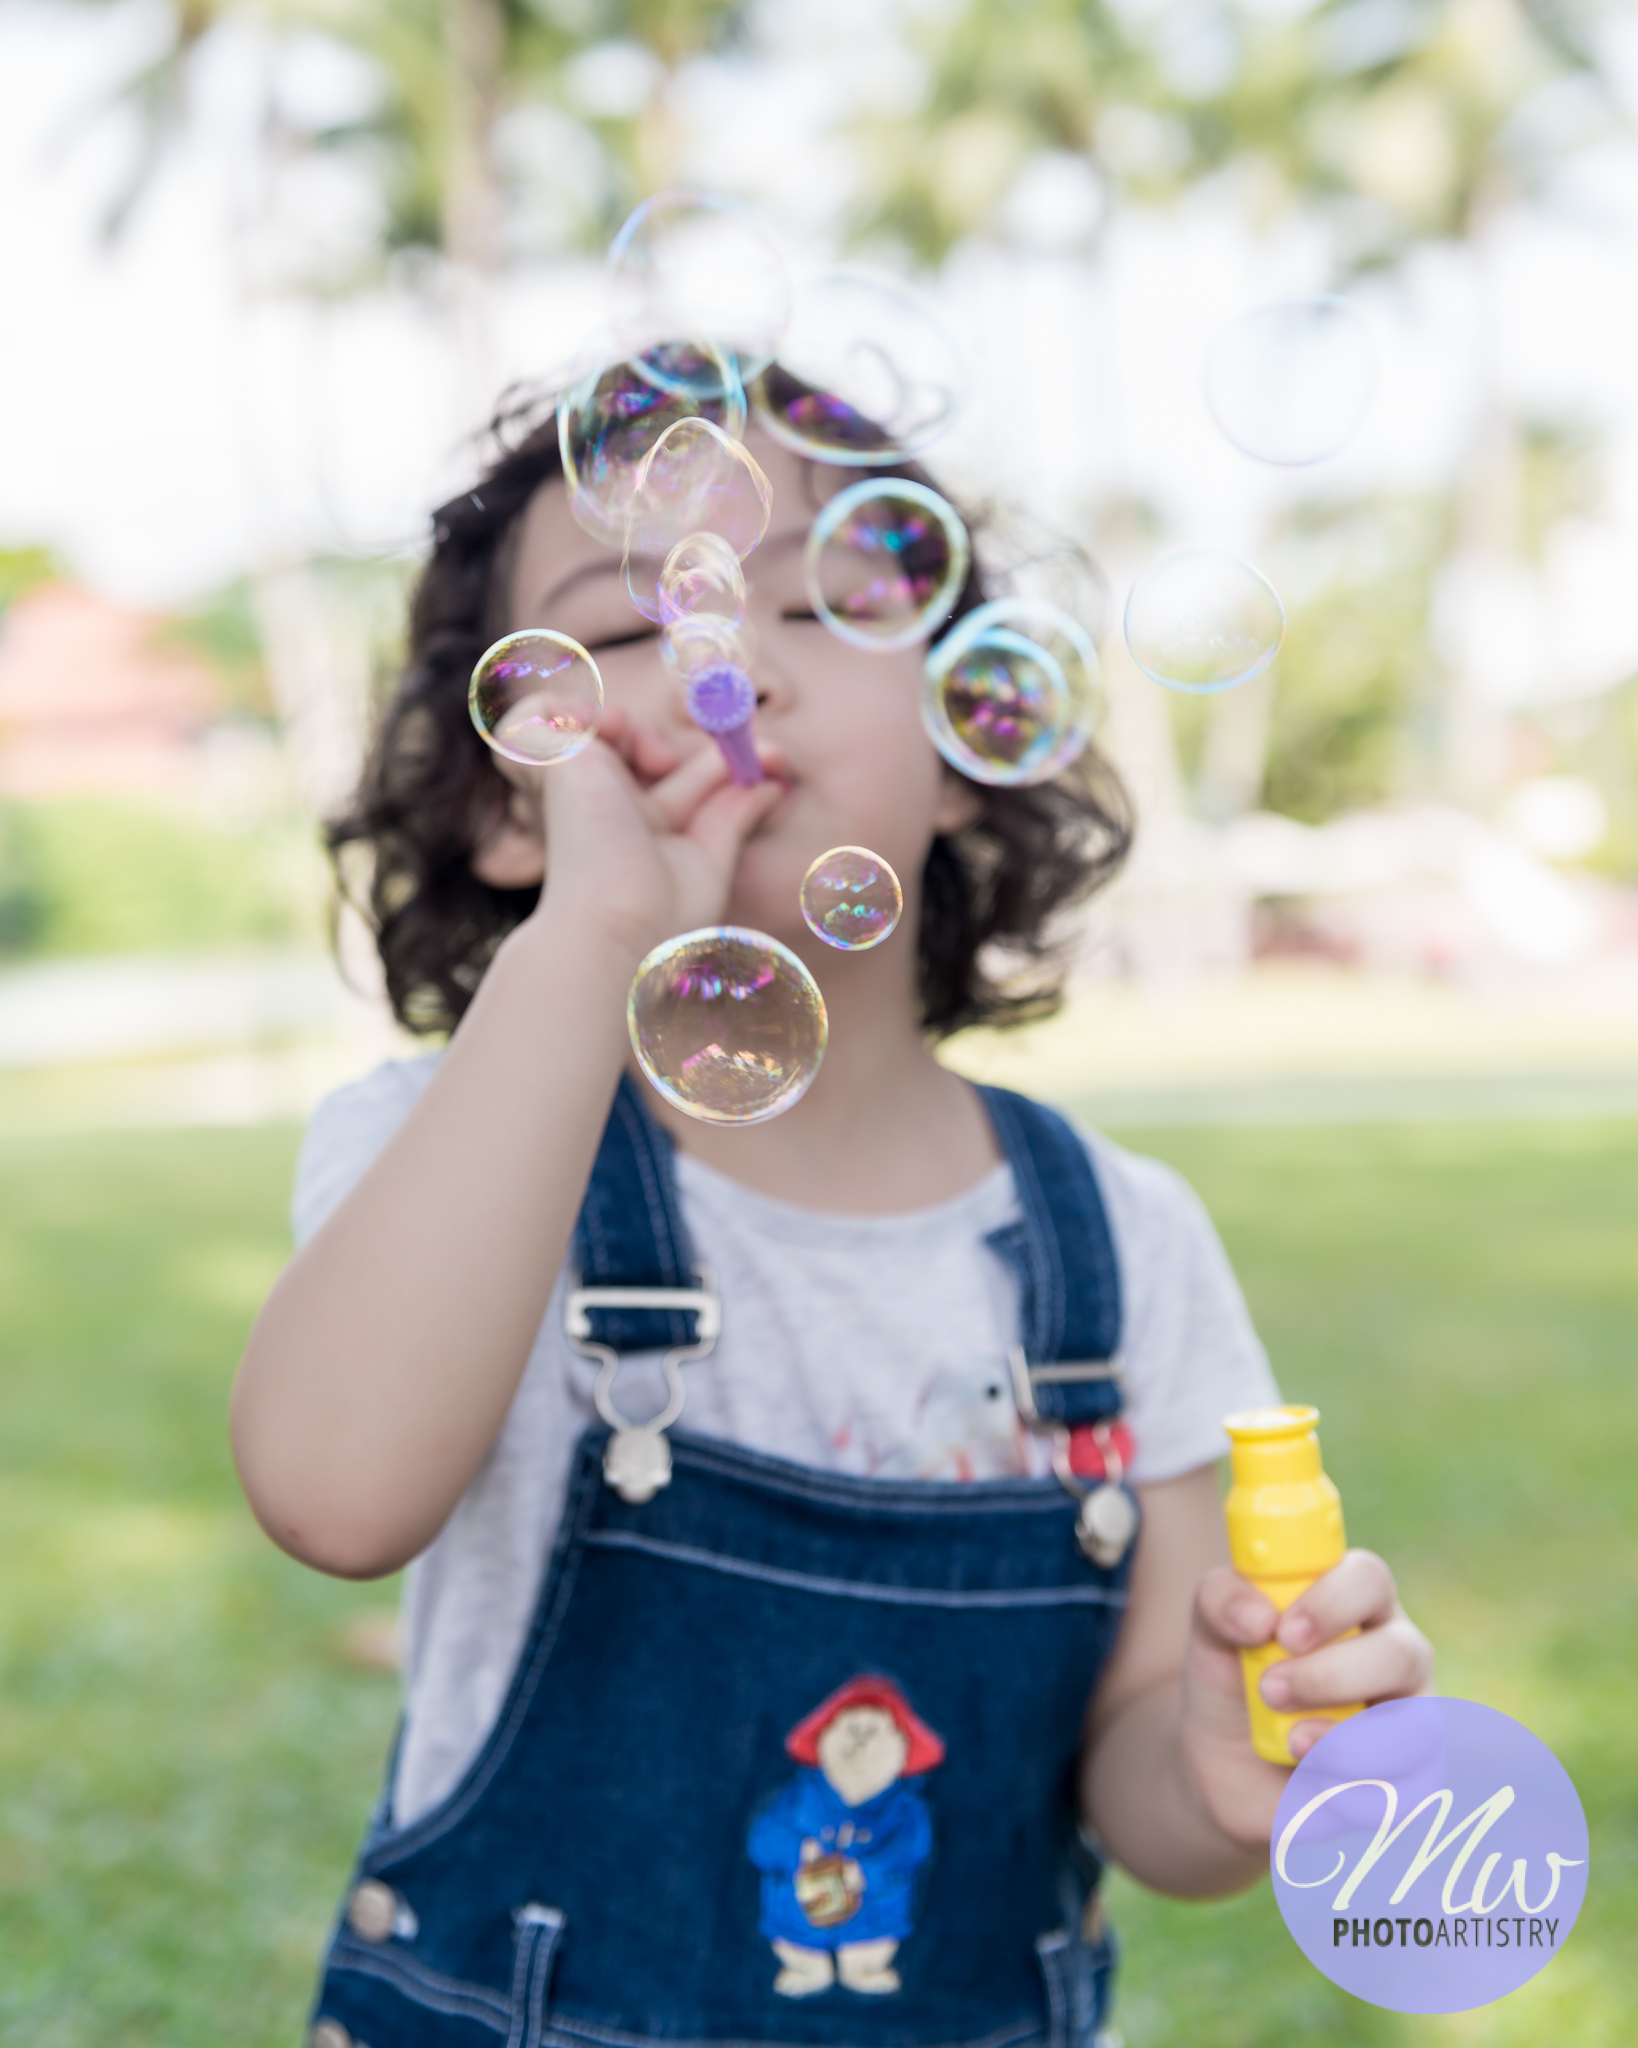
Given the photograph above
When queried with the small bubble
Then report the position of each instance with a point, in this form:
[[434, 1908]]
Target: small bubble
[[851, 899], [1010, 695], [1291, 381], [1201, 622], [701, 579], [695, 480], [727, 1024], [612, 417], [705, 640], [692, 263], [536, 697], [867, 371], [885, 563]]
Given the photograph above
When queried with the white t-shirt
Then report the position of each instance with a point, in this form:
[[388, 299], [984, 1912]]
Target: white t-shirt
[[861, 1344]]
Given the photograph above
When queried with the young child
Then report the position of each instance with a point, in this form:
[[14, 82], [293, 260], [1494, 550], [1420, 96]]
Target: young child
[[823, 1741]]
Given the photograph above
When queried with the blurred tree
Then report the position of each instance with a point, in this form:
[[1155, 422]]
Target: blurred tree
[[1392, 124], [443, 79], [452, 117]]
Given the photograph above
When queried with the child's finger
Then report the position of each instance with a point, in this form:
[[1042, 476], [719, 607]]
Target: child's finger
[[674, 799], [653, 754], [729, 815], [1358, 1593], [1388, 1663], [1231, 1611]]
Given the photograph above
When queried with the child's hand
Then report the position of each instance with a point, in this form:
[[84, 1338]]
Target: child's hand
[[641, 835], [1388, 1659]]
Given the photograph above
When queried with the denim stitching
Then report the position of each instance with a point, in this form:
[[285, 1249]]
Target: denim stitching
[[570, 2033], [545, 1952], [919, 1497], [854, 1589], [424, 1987], [522, 1966], [651, 1173], [1050, 1948], [1047, 1310], [1037, 1240], [659, 1207], [459, 1802], [1100, 1249]]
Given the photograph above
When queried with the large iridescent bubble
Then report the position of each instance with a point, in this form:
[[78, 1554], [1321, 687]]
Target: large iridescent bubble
[[867, 372], [610, 421], [1010, 694], [1201, 622], [536, 697], [851, 899], [727, 1024], [885, 563], [1291, 381], [691, 263]]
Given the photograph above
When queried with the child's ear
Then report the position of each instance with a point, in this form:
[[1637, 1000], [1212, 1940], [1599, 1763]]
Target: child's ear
[[512, 853], [959, 803]]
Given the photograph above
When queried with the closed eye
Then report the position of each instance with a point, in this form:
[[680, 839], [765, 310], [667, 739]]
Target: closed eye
[[800, 618], [634, 638]]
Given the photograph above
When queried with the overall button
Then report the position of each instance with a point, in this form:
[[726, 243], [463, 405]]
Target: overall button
[[371, 1912], [331, 2034]]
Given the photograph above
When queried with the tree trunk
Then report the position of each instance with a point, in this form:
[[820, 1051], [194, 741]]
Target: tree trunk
[[475, 45]]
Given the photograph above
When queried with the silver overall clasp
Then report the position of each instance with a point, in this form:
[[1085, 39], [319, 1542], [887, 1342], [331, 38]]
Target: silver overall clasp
[[1108, 1520], [637, 1462]]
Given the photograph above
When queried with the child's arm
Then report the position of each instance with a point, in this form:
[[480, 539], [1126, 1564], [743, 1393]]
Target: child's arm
[[381, 1369], [1170, 1781]]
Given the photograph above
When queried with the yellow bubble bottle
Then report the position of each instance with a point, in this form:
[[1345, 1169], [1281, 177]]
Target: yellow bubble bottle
[[1285, 1529]]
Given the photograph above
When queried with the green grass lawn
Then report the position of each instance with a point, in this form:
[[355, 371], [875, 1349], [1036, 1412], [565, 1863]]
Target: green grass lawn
[[187, 1754]]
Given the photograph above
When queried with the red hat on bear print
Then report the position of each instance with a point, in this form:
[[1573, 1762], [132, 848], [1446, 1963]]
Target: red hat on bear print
[[925, 1748]]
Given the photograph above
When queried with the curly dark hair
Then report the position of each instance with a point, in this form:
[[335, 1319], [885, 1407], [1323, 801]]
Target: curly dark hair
[[430, 791]]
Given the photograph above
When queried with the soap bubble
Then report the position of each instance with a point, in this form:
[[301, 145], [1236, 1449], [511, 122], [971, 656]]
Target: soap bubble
[[688, 263], [727, 1024], [1010, 694], [851, 898], [611, 419], [701, 579], [1202, 622], [885, 563], [536, 697], [1291, 381], [866, 372], [704, 641], [695, 479]]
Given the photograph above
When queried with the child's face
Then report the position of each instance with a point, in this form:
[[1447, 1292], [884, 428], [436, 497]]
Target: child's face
[[858, 766]]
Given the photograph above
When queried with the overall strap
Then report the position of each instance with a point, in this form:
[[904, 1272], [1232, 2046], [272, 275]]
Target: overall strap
[[630, 1236], [1063, 1256]]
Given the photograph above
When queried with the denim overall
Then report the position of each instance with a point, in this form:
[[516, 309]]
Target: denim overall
[[789, 1756]]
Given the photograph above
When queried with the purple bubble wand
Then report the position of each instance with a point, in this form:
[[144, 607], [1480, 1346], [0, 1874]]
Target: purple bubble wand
[[722, 702]]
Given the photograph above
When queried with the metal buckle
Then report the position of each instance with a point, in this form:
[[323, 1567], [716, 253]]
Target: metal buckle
[[1026, 1377], [637, 1462], [703, 1301]]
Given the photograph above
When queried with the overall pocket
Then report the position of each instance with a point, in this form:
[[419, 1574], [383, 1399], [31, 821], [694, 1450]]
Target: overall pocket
[[1079, 1978], [379, 1995]]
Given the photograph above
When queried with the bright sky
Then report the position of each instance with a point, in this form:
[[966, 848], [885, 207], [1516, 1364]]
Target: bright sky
[[166, 432]]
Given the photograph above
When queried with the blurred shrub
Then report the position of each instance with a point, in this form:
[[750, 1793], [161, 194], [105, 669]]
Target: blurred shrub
[[90, 874], [1356, 663], [222, 628]]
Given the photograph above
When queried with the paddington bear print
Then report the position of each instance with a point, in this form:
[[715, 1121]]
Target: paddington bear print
[[839, 1846]]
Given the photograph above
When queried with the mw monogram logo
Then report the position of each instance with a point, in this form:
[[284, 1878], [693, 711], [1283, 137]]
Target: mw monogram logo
[[1475, 1826]]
